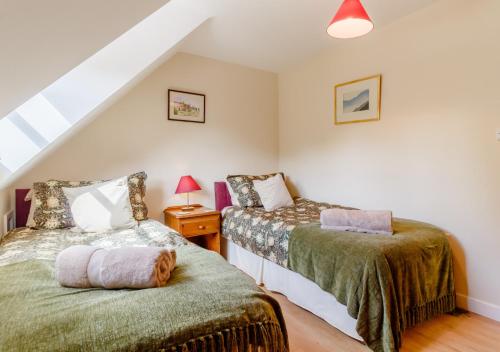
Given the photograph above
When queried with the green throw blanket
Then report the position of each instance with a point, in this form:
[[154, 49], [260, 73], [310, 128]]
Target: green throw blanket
[[207, 306], [388, 283]]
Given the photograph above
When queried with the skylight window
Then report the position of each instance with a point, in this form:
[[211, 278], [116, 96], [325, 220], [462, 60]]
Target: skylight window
[[40, 114], [43, 119], [21, 148]]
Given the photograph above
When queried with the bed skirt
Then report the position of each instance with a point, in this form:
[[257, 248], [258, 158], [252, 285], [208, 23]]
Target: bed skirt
[[296, 288]]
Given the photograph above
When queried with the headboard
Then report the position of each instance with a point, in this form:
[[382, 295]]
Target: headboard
[[222, 196], [22, 207]]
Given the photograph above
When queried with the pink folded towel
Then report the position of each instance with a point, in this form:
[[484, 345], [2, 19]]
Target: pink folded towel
[[375, 221], [127, 267]]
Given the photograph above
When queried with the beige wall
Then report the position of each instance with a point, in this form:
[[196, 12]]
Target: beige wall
[[433, 156], [240, 133]]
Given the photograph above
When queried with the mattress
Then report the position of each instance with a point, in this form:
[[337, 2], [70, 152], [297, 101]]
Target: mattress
[[299, 290], [207, 305], [266, 233], [25, 244], [370, 274]]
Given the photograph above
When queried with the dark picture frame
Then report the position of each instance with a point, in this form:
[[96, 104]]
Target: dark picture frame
[[186, 106]]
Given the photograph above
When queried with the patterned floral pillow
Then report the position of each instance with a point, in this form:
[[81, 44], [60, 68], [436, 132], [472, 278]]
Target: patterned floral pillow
[[52, 210], [137, 190], [242, 186]]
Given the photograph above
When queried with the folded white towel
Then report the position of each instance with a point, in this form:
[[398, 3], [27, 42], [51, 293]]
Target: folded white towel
[[374, 221], [127, 267]]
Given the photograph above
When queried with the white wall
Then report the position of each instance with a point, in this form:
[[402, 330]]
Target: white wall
[[433, 156], [240, 133]]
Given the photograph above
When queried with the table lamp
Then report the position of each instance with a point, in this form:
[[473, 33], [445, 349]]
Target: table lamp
[[187, 184]]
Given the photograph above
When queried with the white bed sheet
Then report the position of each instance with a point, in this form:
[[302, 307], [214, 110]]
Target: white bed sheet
[[296, 288]]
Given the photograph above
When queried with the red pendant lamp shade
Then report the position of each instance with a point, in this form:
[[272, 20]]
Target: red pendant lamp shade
[[187, 184], [351, 21]]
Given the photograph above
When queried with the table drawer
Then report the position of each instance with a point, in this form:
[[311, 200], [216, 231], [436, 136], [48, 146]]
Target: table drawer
[[200, 227]]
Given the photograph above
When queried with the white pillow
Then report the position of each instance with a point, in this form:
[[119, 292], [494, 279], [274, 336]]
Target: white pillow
[[29, 195], [101, 207], [273, 193], [234, 198], [30, 222]]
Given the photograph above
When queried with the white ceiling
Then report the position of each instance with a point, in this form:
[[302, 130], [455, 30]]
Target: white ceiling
[[275, 34], [42, 40]]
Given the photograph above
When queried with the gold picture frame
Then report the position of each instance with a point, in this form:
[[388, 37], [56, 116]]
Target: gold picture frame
[[358, 101]]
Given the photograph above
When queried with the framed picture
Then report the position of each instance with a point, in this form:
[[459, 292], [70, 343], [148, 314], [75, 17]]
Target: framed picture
[[186, 106], [358, 101]]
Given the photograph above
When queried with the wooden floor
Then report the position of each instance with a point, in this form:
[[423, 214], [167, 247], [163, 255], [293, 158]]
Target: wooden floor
[[466, 332]]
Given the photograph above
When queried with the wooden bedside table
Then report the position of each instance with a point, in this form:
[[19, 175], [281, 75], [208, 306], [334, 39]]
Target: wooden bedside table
[[199, 224]]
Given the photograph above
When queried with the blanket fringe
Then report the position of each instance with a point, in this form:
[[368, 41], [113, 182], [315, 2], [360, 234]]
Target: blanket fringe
[[417, 315], [255, 337]]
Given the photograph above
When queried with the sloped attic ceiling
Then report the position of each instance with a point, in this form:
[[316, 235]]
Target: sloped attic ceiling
[[42, 40], [274, 35], [55, 113], [271, 35]]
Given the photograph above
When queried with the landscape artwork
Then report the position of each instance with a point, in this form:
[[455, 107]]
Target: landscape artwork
[[186, 106], [358, 101]]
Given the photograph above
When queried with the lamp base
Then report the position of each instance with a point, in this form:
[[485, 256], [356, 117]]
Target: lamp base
[[188, 208]]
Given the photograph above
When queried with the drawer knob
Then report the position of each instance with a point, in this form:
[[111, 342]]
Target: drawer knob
[[201, 227]]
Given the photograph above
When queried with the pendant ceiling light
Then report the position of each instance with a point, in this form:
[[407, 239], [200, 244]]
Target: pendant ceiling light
[[351, 21]]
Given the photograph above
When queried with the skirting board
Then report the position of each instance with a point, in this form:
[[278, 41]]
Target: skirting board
[[477, 306]]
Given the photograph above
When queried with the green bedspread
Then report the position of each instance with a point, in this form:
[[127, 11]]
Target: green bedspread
[[207, 306], [388, 283]]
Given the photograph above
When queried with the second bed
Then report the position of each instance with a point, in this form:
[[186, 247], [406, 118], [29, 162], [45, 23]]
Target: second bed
[[371, 287]]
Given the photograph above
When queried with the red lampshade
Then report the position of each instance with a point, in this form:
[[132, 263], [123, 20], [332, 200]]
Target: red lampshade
[[351, 21], [187, 184]]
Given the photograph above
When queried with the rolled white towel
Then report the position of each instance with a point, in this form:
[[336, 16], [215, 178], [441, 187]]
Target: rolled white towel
[[366, 221], [127, 267], [71, 266]]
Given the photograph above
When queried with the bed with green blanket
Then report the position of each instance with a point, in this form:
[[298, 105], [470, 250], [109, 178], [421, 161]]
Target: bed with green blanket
[[207, 305], [387, 283]]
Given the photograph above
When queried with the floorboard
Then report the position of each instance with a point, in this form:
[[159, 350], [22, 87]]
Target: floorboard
[[448, 333]]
